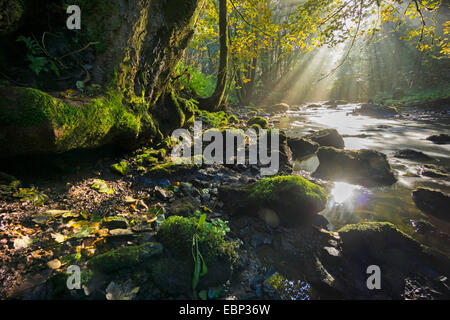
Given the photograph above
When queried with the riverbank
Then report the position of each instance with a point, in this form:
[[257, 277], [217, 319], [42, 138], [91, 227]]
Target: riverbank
[[84, 217]]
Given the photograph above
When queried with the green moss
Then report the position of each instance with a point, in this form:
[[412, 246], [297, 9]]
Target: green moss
[[171, 168], [369, 226], [276, 187], [176, 234], [91, 125], [120, 168], [262, 122], [213, 119], [125, 257], [233, 119], [150, 157]]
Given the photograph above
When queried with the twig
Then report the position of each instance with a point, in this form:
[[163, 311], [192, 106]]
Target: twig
[[79, 50]]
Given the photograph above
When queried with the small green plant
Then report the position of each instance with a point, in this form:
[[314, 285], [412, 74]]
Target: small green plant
[[200, 268], [37, 63]]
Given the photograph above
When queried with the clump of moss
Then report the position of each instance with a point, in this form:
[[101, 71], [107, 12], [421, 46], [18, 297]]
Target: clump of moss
[[262, 122], [213, 119], [150, 157], [120, 168], [276, 187], [171, 168], [176, 234], [125, 257]]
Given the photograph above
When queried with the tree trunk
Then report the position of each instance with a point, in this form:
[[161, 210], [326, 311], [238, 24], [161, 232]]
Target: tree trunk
[[139, 45], [144, 42], [214, 102]]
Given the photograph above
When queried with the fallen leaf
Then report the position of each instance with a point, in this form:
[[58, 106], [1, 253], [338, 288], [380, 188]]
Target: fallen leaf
[[54, 264], [23, 242], [60, 238]]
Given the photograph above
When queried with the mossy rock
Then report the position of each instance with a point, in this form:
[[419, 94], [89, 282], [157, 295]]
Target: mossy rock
[[293, 198], [368, 168], [374, 236], [150, 157], [172, 169], [125, 257], [262, 122], [279, 107], [382, 244], [32, 121], [176, 234], [377, 110], [120, 168], [213, 119]]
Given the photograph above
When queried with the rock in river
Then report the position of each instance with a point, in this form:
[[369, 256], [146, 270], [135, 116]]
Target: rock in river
[[302, 148], [398, 256], [293, 198], [327, 138], [411, 154], [432, 202], [376, 110], [367, 168], [440, 139]]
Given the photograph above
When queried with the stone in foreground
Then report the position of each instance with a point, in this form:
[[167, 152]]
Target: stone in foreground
[[293, 198], [367, 168], [432, 202]]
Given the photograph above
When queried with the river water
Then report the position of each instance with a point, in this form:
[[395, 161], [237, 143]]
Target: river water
[[352, 203]]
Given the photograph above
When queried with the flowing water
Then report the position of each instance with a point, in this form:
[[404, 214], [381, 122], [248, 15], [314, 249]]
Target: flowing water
[[352, 203]]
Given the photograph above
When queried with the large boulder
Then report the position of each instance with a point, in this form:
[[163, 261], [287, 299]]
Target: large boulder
[[398, 256], [34, 122], [302, 148], [432, 202], [440, 139], [327, 138], [295, 199], [376, 110], [367, 168], [277, 108]]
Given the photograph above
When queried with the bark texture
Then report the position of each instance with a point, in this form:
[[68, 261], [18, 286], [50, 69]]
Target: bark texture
[[143, 41]]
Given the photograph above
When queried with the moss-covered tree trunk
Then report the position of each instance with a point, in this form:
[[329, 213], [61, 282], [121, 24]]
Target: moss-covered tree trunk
[[139, 43], [142, 41]]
